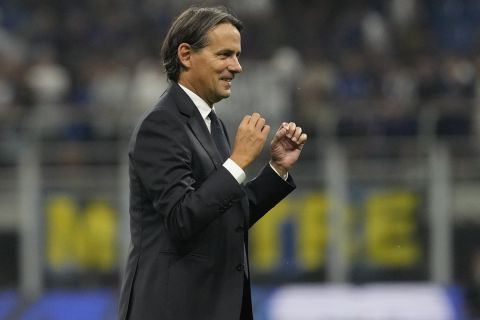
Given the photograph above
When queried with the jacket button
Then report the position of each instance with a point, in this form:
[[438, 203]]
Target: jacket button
[[240, 267], [239, 229]]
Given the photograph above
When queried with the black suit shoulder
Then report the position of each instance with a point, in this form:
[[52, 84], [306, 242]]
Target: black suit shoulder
[[163, 116]]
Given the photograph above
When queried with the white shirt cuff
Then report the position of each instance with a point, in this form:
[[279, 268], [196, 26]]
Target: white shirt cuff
[[284, 177], [235, 170]]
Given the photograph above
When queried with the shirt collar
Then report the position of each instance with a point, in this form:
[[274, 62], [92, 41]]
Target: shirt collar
[[201, 105]]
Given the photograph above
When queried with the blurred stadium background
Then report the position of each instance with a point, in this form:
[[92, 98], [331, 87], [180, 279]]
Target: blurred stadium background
[[385, 223]]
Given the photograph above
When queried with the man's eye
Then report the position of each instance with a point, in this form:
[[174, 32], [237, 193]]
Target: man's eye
[[224, 55]]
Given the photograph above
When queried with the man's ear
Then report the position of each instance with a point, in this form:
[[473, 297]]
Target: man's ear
[[184, 53]]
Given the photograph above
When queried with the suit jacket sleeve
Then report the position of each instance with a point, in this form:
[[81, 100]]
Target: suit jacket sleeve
[[162, 158], [265, 191]]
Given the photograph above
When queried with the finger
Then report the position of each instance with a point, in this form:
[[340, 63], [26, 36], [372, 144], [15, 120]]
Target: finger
[[254, 118], [291, 129], [297, 133], [303, 138], [260, 123], [265, 131], [245, 120]]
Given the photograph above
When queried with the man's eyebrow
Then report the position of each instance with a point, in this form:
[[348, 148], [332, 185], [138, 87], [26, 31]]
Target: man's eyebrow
[[228, 51]]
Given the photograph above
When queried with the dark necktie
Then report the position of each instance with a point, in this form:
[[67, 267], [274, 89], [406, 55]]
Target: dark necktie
[[223, 148], [219, 136]]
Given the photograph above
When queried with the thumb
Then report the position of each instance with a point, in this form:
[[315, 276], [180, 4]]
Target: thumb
[[281, 132]]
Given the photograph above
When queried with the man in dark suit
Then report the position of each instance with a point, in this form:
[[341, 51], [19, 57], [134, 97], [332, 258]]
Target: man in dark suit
[[189, 208]]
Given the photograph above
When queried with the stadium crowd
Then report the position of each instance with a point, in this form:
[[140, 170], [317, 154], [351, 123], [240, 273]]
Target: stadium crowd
[[75, 71]]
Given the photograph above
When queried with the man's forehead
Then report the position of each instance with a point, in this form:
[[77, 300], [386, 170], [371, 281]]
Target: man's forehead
[[224, 27], [223, 33]]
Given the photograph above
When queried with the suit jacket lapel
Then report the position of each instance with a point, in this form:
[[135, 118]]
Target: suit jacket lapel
[[196, 123]]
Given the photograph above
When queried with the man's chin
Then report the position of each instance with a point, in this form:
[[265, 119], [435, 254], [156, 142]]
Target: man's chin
[[221, 95], [225, 93]]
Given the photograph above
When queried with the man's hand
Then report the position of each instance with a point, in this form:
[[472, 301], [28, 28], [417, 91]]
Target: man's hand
[[250, 138], [286, 146]]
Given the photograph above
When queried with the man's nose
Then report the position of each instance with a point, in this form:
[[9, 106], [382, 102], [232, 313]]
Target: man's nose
[[235, 66]]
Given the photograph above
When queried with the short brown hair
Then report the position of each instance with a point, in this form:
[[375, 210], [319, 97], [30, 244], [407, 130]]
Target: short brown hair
[[192, 27]]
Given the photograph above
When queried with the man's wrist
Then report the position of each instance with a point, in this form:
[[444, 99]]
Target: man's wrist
[[281, 171], [236, 171]]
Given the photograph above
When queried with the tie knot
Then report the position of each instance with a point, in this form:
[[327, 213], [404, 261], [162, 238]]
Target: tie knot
[[213, 116]]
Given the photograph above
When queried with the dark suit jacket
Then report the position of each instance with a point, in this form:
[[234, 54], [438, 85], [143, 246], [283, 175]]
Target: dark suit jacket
[[188, 219]]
